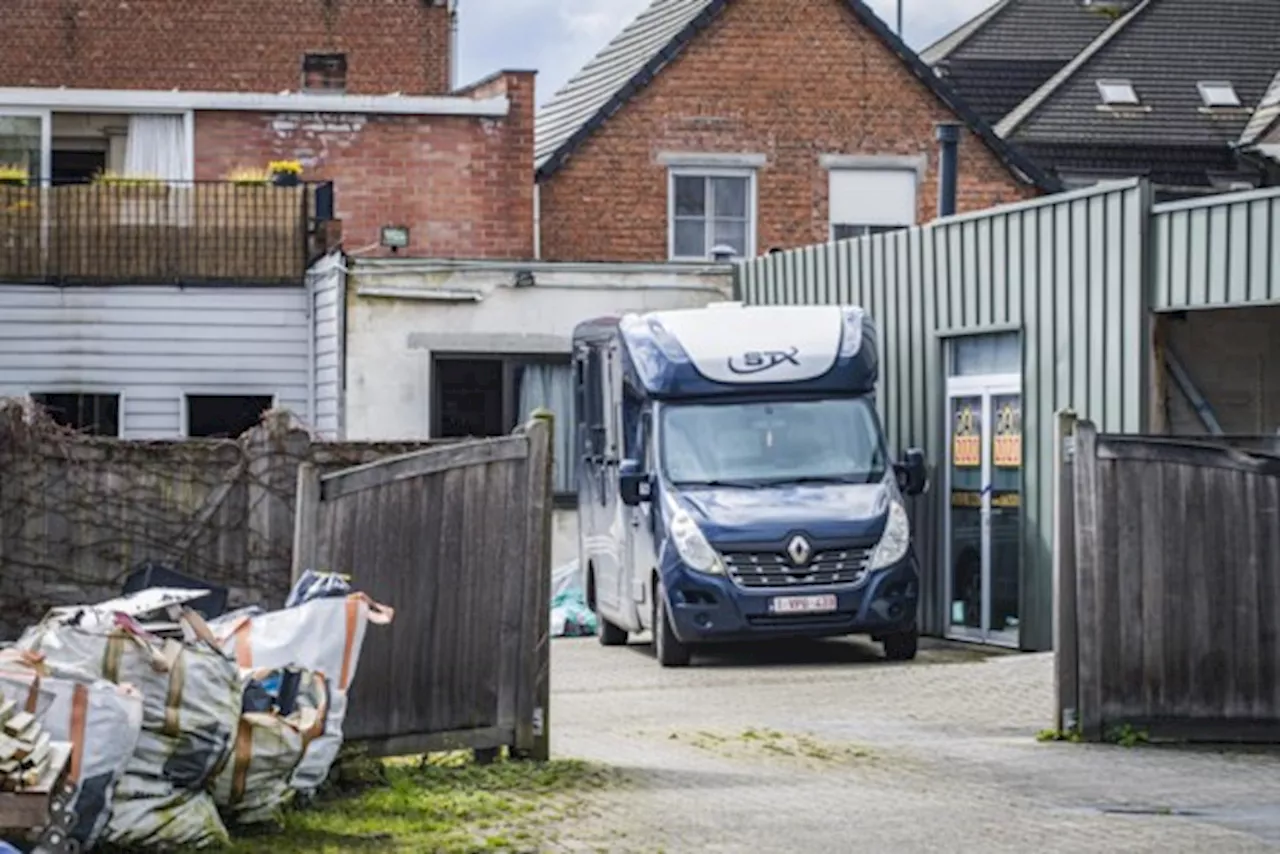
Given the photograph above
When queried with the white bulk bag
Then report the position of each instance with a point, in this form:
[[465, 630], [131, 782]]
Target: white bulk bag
[[254, 783], [101, 721], [323, 635], [191, 706]]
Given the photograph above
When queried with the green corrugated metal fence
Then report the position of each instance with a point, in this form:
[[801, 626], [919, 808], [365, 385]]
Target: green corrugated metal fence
[[1066, 272], [1218, 252]]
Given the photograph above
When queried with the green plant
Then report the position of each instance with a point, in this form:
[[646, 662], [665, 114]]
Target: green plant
[[1126, 736], [115, 179], [1069, 735], [13, 174], [249, 177], [284, 167]]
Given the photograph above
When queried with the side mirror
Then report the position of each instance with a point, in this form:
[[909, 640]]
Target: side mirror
[[913, 477], [634, 486]]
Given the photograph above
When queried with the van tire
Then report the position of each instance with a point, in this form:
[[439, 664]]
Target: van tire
[[902, 646], [667, 648], [611, 635]]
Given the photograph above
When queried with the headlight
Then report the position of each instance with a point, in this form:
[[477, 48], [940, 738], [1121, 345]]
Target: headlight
[[692, 545], [895, 540]]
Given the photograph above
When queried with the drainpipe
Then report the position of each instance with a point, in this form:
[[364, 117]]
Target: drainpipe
[[453, 45], [537, 220], [948, 159]]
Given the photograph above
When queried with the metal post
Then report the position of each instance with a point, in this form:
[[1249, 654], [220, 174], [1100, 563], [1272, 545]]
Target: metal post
[[900, 2]]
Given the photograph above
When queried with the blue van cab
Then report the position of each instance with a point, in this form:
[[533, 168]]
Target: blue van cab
[[734, 483]]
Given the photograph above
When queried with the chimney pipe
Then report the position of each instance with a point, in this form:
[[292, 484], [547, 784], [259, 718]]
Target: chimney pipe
[[948, 165]]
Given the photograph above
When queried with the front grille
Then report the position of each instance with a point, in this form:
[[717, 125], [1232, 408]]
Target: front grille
[[775, 569]]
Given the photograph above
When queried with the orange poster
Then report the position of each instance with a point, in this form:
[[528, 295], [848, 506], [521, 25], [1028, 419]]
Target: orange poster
[[1006, 451], [966, 442]]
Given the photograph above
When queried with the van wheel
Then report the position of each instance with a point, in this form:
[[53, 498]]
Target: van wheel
[[667, 648], [607, 632], [902, 646], [611, 635]]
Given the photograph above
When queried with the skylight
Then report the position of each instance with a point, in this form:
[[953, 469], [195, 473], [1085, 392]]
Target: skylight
[[1218, 93], [1118, 93]]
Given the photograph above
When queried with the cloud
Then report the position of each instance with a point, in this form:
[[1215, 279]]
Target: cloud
[[556, 37]]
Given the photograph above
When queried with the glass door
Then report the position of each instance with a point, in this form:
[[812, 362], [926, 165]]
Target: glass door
[[983, 518], [24, 170]]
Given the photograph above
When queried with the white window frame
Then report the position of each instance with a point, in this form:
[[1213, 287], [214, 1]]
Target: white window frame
[[916, 165], [707, 172]]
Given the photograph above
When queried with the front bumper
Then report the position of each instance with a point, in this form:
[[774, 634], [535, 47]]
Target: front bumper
[[713, 609]]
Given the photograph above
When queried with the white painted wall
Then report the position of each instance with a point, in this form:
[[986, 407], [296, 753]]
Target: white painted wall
[[328, 282], [399, 313], [153, 345]]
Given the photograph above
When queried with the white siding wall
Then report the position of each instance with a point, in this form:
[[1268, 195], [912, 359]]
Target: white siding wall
[[152, 345], [328, 283]]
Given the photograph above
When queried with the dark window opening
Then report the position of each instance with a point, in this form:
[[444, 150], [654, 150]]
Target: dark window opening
[[95, 414], [224, 416], [76, 167], [488, 396], [845, 231], [324, 72]]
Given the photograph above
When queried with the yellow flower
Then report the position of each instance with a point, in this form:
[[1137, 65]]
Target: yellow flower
[[287, 167]]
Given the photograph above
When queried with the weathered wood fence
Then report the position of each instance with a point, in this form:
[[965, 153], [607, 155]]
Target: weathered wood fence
[[1168, 572], [458, 539]]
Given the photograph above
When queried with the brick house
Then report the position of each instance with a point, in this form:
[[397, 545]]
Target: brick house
[[361, 94], [757, 124], [201, 301]]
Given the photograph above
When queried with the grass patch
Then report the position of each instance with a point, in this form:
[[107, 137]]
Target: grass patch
[[446, 804]]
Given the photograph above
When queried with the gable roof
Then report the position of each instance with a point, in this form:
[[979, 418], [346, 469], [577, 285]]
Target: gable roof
[[1266, 116], [1164, 48], [659, 34], [1002, 56]]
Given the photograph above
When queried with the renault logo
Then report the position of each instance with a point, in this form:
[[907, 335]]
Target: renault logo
[[799, 551]]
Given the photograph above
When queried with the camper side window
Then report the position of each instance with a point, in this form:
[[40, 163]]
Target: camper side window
[[593, 404], [634, 429]]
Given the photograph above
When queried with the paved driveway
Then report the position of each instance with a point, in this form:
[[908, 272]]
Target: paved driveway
[[821, 747]]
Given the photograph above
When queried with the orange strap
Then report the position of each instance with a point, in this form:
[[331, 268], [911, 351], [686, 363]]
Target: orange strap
[[79, 713], [33, 696], [353, 622], [243, 752], [244, 653]]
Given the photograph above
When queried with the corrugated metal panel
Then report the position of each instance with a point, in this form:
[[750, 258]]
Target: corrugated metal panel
[[1218, 252], [1066, 271], [152, 345]]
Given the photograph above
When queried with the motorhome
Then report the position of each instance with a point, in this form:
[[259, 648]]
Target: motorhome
[[734, 483]]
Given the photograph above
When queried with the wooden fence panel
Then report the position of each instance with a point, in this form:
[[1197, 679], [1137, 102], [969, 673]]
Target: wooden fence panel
[[458, 540], [1177, 562]]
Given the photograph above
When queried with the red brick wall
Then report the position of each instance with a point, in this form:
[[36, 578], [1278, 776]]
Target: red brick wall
[[790, 79], [461, 184], [220, 45]]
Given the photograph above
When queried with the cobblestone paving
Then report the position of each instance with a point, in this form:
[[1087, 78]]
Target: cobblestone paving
[[824, 748]]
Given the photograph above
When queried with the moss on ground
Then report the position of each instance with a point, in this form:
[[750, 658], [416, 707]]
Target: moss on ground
[[448, 805]]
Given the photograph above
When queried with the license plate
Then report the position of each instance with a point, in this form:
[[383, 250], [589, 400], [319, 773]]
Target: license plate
[[803, 604]]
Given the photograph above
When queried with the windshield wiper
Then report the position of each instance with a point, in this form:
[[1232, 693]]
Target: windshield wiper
[[734, 484], [839, 479]]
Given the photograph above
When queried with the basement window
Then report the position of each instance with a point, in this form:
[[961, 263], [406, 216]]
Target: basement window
[[224, 416], [95, 414], [1118, 93], [488, 396], [324, 72], [1218, 93]]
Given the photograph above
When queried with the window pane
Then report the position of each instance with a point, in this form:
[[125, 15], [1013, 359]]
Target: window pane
[[224, 415], [550, 385], [977, 355], [96, 414], [469, 394], [20, 143], [691, 196], [730, 196], [731, 233], [691, 238]]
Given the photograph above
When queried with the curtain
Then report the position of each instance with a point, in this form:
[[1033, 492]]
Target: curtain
[[551, 386], [156, 148]]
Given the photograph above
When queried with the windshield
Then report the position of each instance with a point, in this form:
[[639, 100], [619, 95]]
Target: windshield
[[772, 442]]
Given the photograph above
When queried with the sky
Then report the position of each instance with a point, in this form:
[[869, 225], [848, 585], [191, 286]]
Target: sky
[[556, 37]]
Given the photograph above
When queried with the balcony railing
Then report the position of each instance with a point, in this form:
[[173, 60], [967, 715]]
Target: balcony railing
[[175, 232]]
